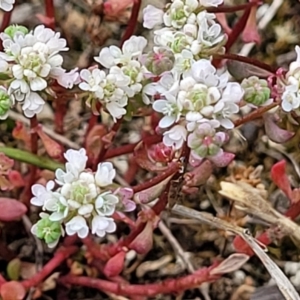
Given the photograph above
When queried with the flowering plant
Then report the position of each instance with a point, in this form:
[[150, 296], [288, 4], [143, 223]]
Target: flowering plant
[[181, 84]]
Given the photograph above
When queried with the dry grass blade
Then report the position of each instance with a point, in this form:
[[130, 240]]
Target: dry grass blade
[[249, 200], [282, 282], [285, 286]]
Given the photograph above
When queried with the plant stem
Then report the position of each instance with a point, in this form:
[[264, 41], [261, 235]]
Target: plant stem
[[60, 256], [168, 286], [255, 114], [172, 169], [231, 9], [129, 148], [50, 13], [132, 21]]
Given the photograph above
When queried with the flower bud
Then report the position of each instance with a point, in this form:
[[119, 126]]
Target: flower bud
[[256, 90], [160, 60], [13, 29], [115, 265], [5, 103]]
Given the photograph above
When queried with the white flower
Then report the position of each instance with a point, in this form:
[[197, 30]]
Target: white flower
[[77, 225], [58, 206], [209, 3], [41, 193], [204, 72], [179, 11], [6, 5], [171, 108], [175, 137], [76, 164], [106, 203], [105, 174], [290, 98], [102, 225], [68, 79], [33, 104], [184, 62], [91, 81], [131, 49], [152, 16]]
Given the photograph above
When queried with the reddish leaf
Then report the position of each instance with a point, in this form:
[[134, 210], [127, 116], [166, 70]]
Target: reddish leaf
[[11, 209], [12, 290], [115, 265], [94, 143], [21, 133], [16, 179], [280, 178], [53, 149], [275, 133], [144, 241]]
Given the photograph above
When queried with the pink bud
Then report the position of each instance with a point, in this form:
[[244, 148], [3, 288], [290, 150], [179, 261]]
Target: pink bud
[[143, 243], [250, 33], [54, 149], [12, 290], [20, 133], [275, 133], [115, 265]]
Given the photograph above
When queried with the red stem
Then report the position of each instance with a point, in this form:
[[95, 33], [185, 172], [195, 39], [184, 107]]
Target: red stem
[[60, 112], [50, 13], [172, 169], [56, 261], [168, 286], [231, 9], [254, 115], [129, 148], [247, 60], [132, 21]]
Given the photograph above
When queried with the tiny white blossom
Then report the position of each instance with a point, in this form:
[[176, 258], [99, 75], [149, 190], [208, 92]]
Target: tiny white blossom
[[41, 193], [7, 5], [102, 225], [152, 16], [208, 3], [33, 104], [106, 203], [58, 206], [175, 137], [290, 98], [105, 174], [77, 225], [91, 81], [131, 49], [69, 79]]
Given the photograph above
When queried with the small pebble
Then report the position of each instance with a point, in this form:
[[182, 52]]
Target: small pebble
[[239, 277], [291, 267]]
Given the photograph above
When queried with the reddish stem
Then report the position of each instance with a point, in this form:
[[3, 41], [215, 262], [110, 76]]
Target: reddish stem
[[60, 112], [56, 261], [254, 115], [104, 149], [132, 21], [231, 9], [247, 60], [172, 169], [129, 148], [50, 13], [165, 287]]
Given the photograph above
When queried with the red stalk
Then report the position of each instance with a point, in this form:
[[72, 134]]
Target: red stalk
[[165, 287], [50, 13], [57, 260], [132, 21]]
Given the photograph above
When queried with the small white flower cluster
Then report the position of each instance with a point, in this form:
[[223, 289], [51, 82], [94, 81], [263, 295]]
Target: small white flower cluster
[[83, 200], [7, 5], [123, 80], [291, 94], [191, 95], [30, 62]]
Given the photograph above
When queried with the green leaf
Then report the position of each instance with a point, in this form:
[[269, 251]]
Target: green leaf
[[32, 159], [13, 269]]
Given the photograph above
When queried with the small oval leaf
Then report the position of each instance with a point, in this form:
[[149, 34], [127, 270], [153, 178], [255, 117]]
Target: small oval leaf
[[11, 209], [12, 290]]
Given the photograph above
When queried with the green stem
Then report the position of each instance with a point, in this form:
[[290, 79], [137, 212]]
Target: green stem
[[32, 159]]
